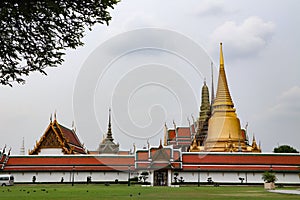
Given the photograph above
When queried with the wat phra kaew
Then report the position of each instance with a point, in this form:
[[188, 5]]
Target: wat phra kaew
[[212, 149]]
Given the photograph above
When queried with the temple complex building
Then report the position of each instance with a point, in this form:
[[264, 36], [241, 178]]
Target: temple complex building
[[212, 149], [58, 139], [218, 128], [107, 145], [224, 129]]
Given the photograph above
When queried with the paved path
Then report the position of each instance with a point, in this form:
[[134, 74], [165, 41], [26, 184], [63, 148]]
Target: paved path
[[286, 191]]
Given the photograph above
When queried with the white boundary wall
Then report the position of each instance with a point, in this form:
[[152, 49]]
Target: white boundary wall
[[68, 176], [192, 177], [233, 177]]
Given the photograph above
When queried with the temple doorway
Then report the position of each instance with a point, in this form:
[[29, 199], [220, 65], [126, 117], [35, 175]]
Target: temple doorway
[[161, 178]]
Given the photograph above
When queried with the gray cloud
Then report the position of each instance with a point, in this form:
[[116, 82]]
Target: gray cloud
[[244, 39], [287, 105], [213, 8]]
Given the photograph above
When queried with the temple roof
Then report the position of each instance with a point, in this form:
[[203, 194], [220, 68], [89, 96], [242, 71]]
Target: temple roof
[[205, 105], [70, 162], [107, 145], [58, 136]]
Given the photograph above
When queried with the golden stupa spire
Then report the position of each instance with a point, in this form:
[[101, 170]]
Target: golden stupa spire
[[223, 97], [221, 56], [223, 119]]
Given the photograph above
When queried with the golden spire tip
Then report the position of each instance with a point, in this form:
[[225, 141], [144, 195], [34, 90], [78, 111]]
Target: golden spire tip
[[221, 55]]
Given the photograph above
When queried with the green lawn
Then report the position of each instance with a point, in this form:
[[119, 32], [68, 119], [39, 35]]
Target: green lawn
[[97, 191]]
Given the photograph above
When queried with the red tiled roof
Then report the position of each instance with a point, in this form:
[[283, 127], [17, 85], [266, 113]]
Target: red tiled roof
[[239, 168], [267, 159], [176, 155], [243, 132], [141, 155], [142, 165], [172, 134], [68, 140], [68, 168], [70, 135], [193, 128], [67, 162], [184, 132]]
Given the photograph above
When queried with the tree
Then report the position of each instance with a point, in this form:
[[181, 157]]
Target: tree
[[35, 34], [285, 149], [269, 177], [144, 176], [176, 177]]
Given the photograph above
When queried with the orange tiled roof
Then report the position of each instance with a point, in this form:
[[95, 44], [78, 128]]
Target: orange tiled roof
[[142, 155], [58, 136], [241, 159], [70, 136], [46, 163], [184, 132], [172, 134]]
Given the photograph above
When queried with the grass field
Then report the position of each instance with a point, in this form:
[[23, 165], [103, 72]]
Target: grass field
[[97, 191]]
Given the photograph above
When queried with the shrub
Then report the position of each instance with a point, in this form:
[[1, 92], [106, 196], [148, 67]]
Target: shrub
[[269, 177]]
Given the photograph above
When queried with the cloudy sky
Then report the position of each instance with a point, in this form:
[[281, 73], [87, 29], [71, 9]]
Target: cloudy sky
[[159, 77]]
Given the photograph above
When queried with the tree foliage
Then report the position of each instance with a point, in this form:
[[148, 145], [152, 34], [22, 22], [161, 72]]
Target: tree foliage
[[144, 176], [285, 149], [35, 34], [269, 177]]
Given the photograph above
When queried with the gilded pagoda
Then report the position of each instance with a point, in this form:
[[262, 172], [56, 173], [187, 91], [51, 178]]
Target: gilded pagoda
[[217, 128]]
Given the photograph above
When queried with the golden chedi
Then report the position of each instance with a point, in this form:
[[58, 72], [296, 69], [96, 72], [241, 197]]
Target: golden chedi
[[224, 130]]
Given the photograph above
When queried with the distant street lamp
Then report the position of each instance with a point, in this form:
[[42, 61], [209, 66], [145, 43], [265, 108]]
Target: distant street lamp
[[73, 171], [198, 176], [129, 175]]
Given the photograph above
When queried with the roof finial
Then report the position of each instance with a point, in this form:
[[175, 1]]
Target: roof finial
[[174, 124], [22, 149], [73, 126], [134, 147], [204, 80], [109, 134], [165, 134], [160, 144], [193, 118], [51, 118], [55, 115], [212, 84], [221, 56]]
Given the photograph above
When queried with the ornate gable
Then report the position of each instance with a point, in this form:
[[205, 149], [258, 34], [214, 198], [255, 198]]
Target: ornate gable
[[50, 140], [57, 136]]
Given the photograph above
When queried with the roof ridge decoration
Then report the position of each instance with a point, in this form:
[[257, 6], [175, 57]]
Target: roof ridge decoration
[[107, 145], [54, 137]]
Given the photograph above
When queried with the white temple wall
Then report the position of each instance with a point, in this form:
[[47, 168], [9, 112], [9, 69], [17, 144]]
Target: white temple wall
[[233, 177], [51, 151], [220, 177], [67, 176]]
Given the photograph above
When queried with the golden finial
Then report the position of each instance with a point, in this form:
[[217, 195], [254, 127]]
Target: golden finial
[[174, 124], [134, 147], [193, 118], [55, 115], [160, 144], [221, 56]]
